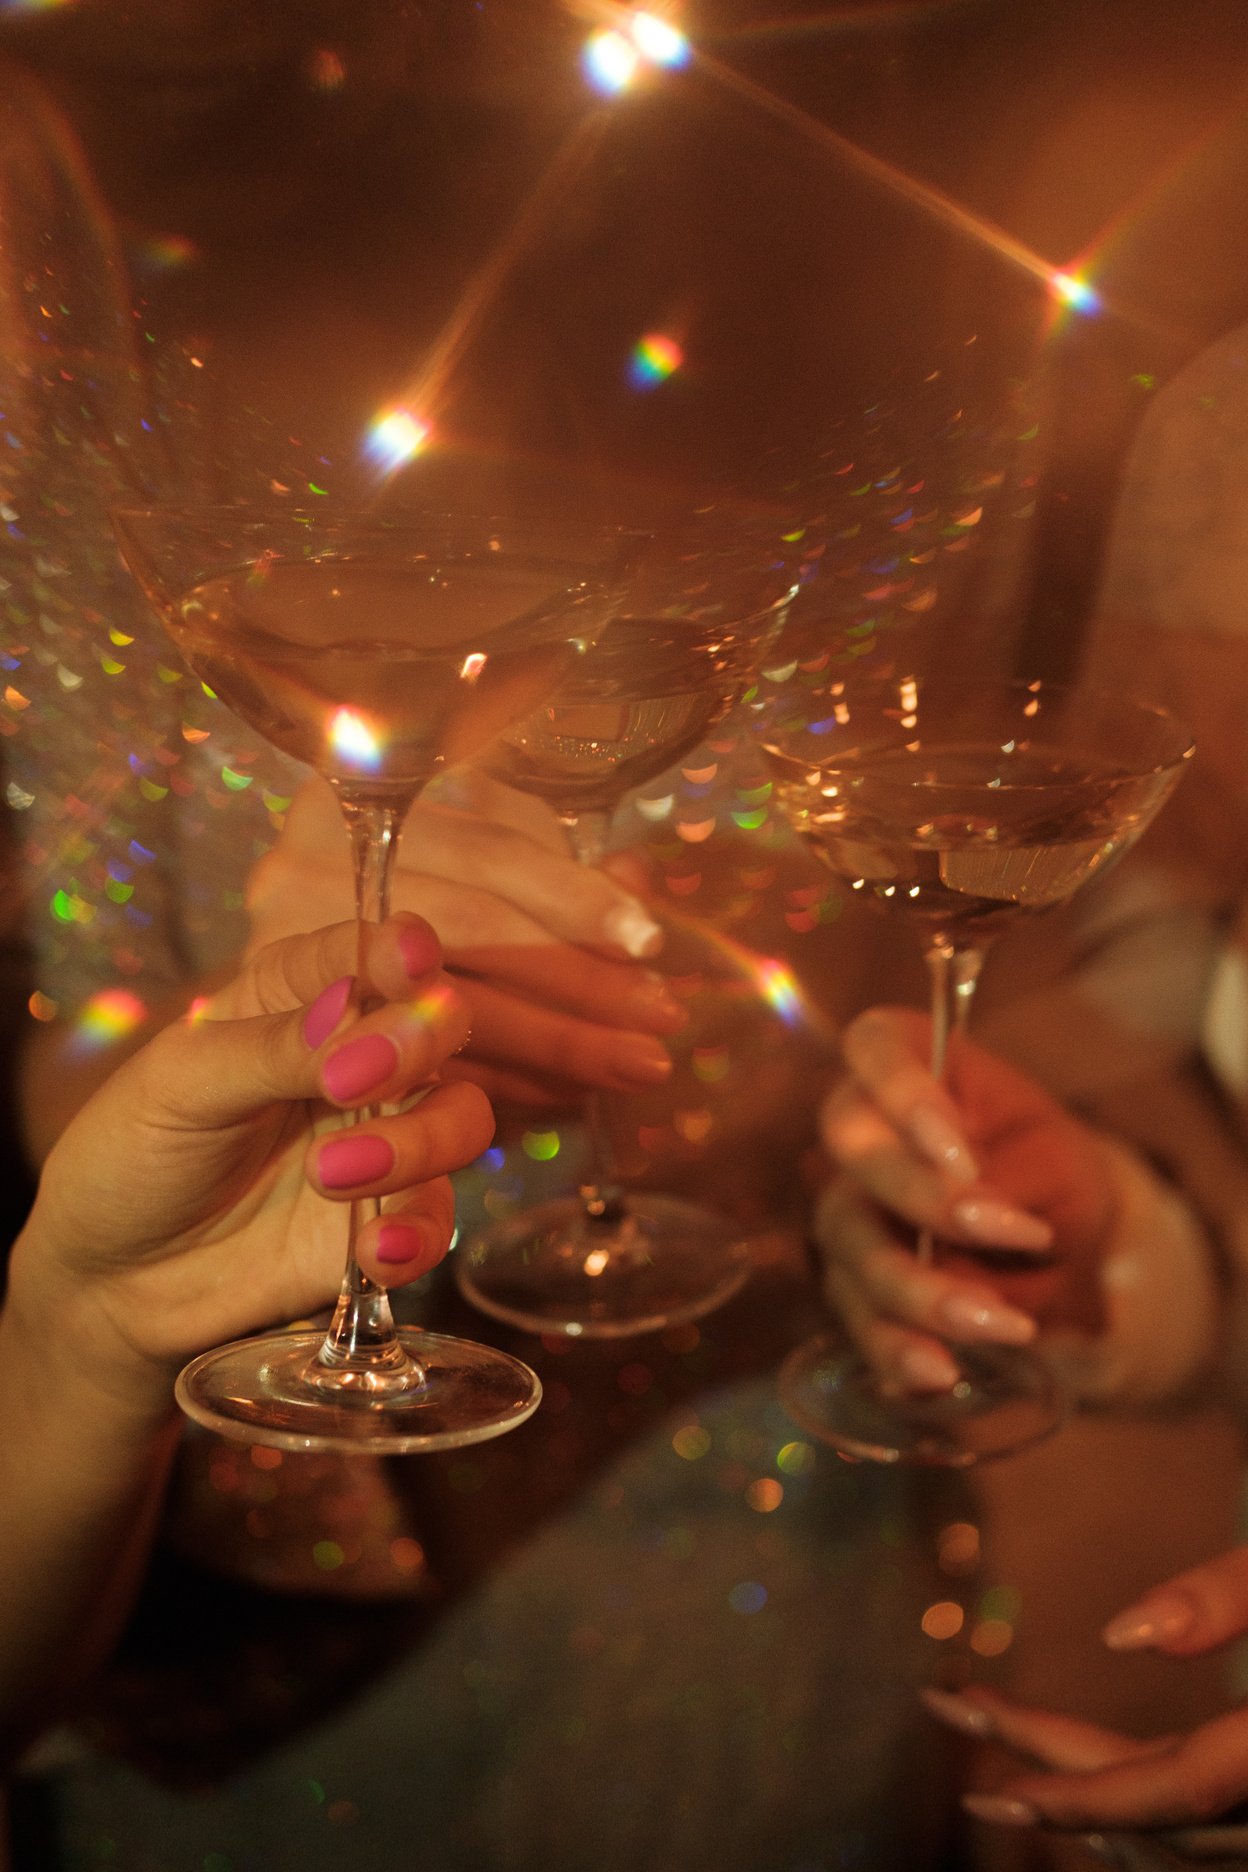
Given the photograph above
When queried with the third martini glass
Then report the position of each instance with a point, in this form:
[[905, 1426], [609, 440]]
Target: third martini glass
[[378, 652], [960, 809], [608, 1262]]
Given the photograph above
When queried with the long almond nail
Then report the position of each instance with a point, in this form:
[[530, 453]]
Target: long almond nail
[[1000, 1810], [966, 1718], [927, 1368], [635, 932], [942, 1143], [655, 1006], [967, 1316], [641, 1061], [997, 1224], [1154, 1621]]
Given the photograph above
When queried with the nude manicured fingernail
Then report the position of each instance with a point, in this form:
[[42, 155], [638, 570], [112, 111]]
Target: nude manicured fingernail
[[344, 1162], [359, 1067], [657, 1006], [1153, 1621], [1000, 1810], [399, 1242], [327, 1010], [420, 950], [927, 1368], [642, 1062], [635, 932], [968, 1316], [942, 1143], [998, 1224], [966, 1718]]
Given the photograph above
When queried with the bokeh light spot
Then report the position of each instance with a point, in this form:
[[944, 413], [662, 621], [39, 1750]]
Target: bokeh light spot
[[944, 1619]]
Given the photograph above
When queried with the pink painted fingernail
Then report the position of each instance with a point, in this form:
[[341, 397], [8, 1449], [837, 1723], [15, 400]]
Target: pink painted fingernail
[[965, 1717], [420, 949], [327, 1010], [344, 1162], [399, 1242], [1154, 1621], [359, 1066], [997, 1224], [1000, 1810]]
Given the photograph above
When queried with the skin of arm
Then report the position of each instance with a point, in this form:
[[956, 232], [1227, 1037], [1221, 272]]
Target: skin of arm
[[183, 1207]]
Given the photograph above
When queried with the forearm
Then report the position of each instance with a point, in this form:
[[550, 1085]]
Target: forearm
[[82, 1475]]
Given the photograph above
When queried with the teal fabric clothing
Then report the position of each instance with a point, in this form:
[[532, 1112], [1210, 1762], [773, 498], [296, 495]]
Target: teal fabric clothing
[[662, 1676]]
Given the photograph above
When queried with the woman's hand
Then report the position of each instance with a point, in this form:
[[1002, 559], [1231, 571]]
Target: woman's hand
[[1184, 1786], [988, 1162], [185, 1204], [548, 954]]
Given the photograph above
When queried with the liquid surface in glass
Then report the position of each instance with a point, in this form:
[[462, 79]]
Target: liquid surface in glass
[[378, 673], [964, 835], [649, 690]]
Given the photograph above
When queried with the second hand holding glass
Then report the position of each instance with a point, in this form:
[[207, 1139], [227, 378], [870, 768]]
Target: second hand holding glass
[[960, 811], [377, 652], [607, 1263]]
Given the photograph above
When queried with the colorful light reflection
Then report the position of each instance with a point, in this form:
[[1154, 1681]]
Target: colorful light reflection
[[354, 742], [108, 1016], [613, 56], [655, 359], [1075, 292], [396, 436]]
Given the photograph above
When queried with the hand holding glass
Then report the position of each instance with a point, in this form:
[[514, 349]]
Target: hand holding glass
[[377, 651], [961, 810]]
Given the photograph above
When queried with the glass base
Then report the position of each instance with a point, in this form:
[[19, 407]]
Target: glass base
[[1006, 1401], [555, 1269], [273, 1390]]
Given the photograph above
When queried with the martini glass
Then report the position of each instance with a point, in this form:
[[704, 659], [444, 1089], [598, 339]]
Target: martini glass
[[605, 1262], [378, 652], [960, 810]]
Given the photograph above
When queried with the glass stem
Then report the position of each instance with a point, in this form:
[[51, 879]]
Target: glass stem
[[362, 1347], [954, 973], [599, 1187]]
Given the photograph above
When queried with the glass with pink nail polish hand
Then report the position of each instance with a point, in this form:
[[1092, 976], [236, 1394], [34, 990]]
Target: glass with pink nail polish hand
[[960, 807], [379, 650]]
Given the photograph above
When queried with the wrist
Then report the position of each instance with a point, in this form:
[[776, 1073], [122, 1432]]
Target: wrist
[[1160, 1293], [68, 1334]]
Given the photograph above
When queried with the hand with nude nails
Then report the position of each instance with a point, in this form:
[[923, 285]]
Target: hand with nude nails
[[552, 958], [1021, 1197], [1168, 1800], [186, 1203]]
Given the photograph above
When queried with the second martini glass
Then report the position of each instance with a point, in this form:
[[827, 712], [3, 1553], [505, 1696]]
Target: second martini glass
[[960, 810], [609, 1262], [378, 652]]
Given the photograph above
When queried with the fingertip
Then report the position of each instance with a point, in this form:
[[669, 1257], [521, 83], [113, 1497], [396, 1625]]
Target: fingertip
[[404, 1248], [419, 945], [327, 1011]]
